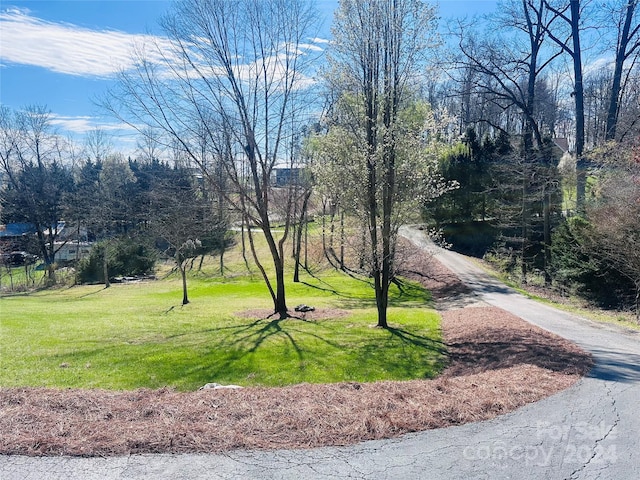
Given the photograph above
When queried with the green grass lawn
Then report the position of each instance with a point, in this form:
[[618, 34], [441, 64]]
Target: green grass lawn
[[138, 335]]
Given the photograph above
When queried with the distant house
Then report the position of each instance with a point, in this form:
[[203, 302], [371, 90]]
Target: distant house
[[562, 150], [15, 236], [562, 144], [283, 177], [16, 230], [71, 251], [19, 237]]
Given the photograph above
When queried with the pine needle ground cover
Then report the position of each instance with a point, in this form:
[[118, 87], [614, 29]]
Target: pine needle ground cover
[[138, 335]]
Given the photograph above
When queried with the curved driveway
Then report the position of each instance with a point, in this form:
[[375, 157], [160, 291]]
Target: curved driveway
[[589, 431]]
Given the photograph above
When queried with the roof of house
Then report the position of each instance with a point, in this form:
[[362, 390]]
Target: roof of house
[[16, 229], [562, 144], [20, 229]]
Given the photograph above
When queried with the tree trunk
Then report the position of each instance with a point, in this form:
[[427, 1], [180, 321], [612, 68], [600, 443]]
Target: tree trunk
[[621, 55], [105, 266], [525, 224], [382, 296], [298, 237], [581, 174], [51, 274], [183, 273], [361, 255], [306, 241], [296, 261], [342, 240], [243, 222], [324, 228], [376, 268], [638, 304], [280, 304], [48, 255], [382, 302], [277, 296], [332, 232], [547, 236]]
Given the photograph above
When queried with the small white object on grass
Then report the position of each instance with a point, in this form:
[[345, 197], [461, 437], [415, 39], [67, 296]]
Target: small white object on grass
[[217, 386]]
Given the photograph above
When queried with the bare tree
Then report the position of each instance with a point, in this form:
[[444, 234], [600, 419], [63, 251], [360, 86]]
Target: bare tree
[[98, 145], [597, 92], [613, 233], [627, 47], [149, 145], [570, 14], [185, 221], [628, 124], [233, 79], [509, 63], [509, 67], [35, 179]]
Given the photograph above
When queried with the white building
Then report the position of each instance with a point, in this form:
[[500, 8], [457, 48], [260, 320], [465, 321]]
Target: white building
[[71, 251]]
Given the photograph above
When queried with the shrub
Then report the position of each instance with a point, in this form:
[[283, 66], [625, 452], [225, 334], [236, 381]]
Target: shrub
[[125, 257], [577, 269]]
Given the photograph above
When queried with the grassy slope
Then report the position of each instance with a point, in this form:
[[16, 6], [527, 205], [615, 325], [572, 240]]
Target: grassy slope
[[138, 335]]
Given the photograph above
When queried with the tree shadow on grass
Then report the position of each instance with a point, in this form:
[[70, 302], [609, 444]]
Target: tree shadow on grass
[[101, 289], [30, 293], [170, 364], [240, 354], [254, 339], [330, 289], [421, 341], [402, 355], [410, 294], [240, 342], [241, 327], [243, 342]]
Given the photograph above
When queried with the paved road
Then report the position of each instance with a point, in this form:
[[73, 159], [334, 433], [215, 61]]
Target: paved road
[[590, 431]]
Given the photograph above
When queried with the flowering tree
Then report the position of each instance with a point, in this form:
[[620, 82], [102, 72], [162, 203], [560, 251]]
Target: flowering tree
[[376, 151]]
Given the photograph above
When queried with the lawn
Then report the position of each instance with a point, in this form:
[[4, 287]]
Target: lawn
[[138, 335]]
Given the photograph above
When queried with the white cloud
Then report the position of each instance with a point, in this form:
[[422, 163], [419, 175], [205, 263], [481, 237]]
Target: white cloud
[[598, 64], [65, 48], [70, 49], [310, 46], [73, 50], [122, 137], [84, 124], [18, 10], [319, 40]]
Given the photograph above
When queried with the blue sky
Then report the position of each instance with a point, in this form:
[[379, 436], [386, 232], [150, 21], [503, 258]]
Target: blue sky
[[63, 54]]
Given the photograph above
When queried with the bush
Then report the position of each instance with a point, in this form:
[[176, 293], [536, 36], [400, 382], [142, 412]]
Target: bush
[[577, 270], [125, 257], [470, 238]]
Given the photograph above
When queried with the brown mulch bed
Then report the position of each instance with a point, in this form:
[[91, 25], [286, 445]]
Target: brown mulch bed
[[317, 314], [497, 363]]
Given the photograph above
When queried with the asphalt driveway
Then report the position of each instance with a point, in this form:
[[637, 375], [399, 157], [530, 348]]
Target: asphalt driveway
[[590, 431]]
